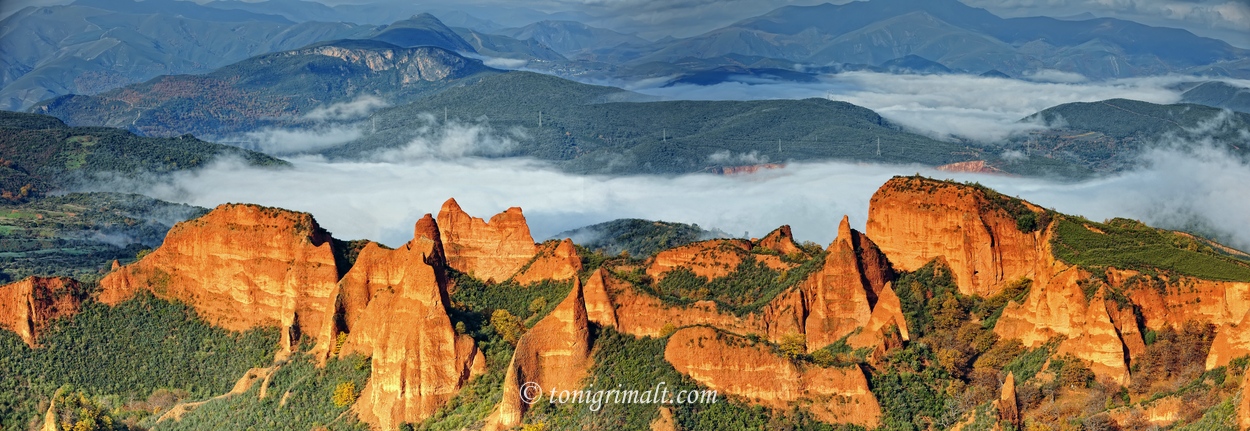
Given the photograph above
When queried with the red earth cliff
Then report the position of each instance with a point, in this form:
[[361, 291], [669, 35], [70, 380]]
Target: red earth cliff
[[915, 220], [27, 306], [554, 261], [736, 366], [394, 307], [554, 354], [492, 250], [240, 267]]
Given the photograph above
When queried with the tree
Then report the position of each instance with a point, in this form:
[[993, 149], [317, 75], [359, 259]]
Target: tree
[[794, 345], [507, 326], [344, 394]]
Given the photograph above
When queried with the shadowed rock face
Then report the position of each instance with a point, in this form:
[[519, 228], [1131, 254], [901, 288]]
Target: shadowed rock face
[[915, 220], [555, 354], [735, 365], [27, 306], [418, 360], [243, 266], [240, 267], [493, 250]]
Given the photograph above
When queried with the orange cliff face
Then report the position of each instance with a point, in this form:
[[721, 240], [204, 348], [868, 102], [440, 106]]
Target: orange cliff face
[[27, 306], [840, 297], [554, 354], [719, 257], [915, 220], [243, 266], [554, 261], [394, 308], [493, 250], [734, 365], [240, 267]]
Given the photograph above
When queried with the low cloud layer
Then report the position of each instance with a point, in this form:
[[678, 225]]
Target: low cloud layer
[[1176, 188], [979, 108]]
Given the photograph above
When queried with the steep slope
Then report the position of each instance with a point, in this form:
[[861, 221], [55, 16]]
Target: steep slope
[[268, 90], [493, 250], [27, 306], [240, 267], [393, 305], [737, 366], [986, 238]]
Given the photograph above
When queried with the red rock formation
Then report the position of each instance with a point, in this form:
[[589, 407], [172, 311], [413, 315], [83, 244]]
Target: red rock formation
[[554, 354], [1007, 405], [915, 220], [710, 259], [734, 365], [27, 306], [888, 311], [393, 304], [838, 295], [1060, 307], [780, 241], [240, 267], [555, 261], [973, 166], [599, 308], [492, 250]]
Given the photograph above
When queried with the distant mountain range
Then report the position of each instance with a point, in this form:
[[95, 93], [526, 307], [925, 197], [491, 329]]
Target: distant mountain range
[[959, 37], [95, 45]]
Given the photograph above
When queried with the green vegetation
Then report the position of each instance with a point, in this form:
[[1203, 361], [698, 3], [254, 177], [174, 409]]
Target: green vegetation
[[140, 352], [1128, 244], [598, 129], [637, 238], [1110, 135], [638, 363], [954, 361], [39, 154], [300, 396], [748, 288], [80, 234], [482, 297], [1027, 220]]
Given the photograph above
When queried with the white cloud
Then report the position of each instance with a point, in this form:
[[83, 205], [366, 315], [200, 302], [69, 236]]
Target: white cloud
[[353, 110], [302, 140], [452, 140], [979, 108]]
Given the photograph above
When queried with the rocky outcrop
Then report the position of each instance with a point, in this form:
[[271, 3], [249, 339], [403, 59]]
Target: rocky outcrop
[[1060, 308], [1007, 404], [554, 354], [240, 267], [838, 296], [554, 261], [915, 220], [736, 366], [599, 308], [886, 313], [781, 241], [709, 259], [27, 306], [393, 307], [493, 250]]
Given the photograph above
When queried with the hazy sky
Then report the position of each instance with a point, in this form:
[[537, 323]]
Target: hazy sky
[[1225, 19]]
